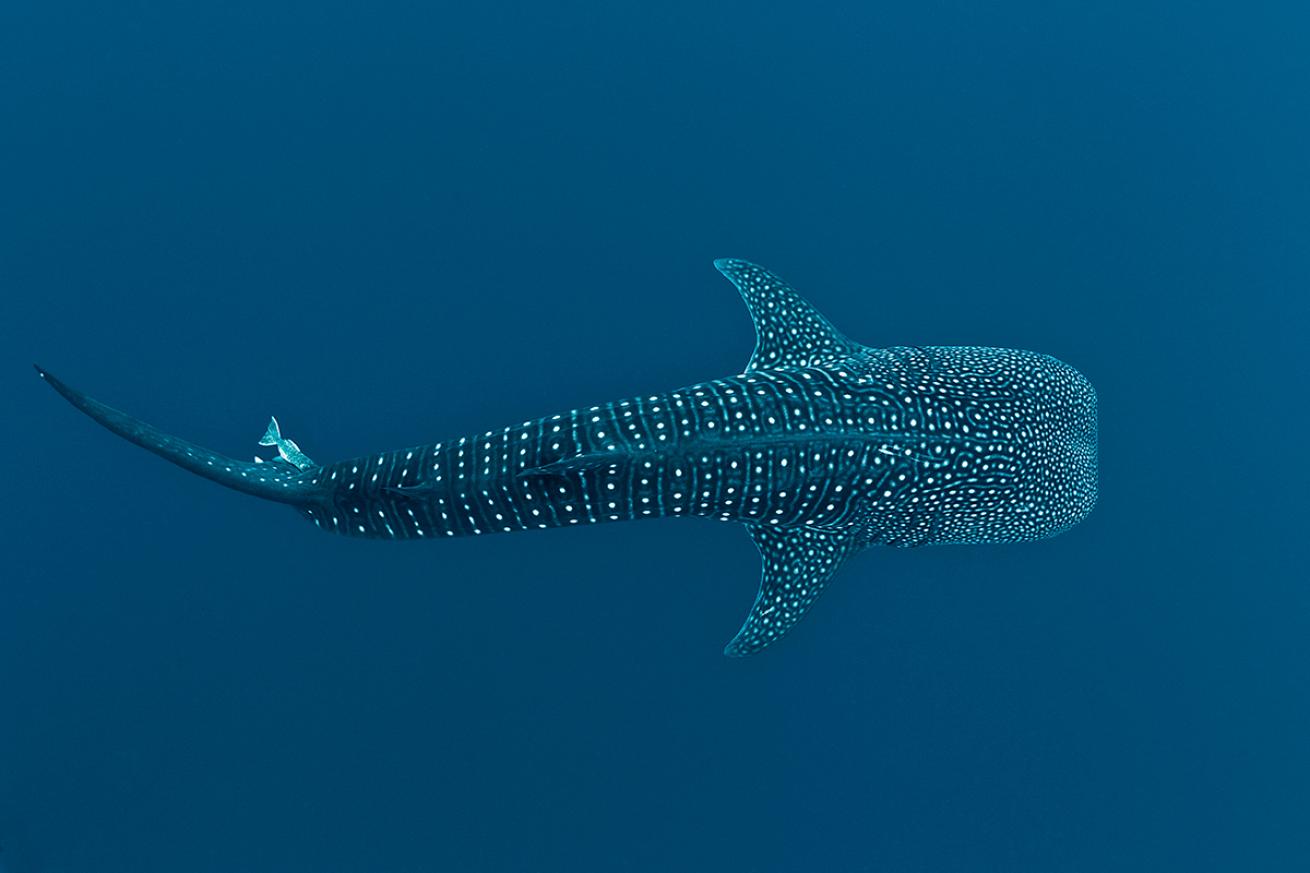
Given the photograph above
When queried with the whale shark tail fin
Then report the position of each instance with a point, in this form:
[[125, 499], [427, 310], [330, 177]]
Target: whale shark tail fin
[[283, 483]]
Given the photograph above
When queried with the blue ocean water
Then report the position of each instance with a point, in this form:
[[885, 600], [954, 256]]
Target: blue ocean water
[[395, 223]]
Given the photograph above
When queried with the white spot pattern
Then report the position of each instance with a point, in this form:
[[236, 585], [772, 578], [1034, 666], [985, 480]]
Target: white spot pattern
[[821, 447]]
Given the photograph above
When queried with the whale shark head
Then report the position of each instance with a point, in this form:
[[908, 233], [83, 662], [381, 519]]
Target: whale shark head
[[1019, 462], [1056, 485], [1072, 471]]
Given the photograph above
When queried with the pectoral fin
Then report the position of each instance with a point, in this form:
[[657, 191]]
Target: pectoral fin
[[789, 331], [798, 562]]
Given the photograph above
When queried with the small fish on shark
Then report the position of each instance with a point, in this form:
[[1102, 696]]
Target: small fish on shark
[[287, 449], [821, 447]]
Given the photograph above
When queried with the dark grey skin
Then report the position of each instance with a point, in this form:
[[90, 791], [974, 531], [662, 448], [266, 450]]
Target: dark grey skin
[[821, 447]]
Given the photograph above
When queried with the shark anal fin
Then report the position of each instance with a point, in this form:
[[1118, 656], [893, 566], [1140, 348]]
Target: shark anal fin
[[798, 562], [789, 331]]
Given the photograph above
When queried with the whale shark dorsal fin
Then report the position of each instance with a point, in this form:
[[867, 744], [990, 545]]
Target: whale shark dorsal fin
[[798, 562], [789, 331]]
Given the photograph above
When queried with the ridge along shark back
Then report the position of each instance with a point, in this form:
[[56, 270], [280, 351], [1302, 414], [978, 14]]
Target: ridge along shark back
[[821, 447]]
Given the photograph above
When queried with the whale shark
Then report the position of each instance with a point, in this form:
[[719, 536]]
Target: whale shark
[[820, 447]]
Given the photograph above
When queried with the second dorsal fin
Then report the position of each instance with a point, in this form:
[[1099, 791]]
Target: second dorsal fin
[[789, 331]]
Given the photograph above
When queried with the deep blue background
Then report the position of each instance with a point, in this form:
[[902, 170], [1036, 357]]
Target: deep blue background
[[390, 223]]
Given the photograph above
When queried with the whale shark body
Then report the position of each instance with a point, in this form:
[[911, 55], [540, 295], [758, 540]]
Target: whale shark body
[[821, 447]]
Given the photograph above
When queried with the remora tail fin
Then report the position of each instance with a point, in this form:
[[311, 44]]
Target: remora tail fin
[[286, 448], [278, 482], [273, 435]]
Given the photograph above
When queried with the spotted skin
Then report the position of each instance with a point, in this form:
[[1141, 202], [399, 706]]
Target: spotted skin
[[821, 448]]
